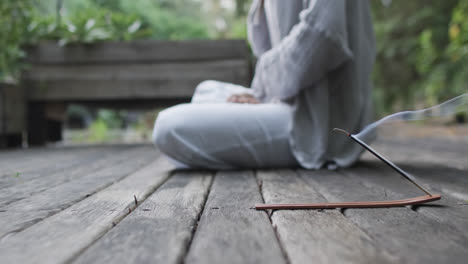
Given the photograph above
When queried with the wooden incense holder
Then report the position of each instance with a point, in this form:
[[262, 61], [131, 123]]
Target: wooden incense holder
[[369, 204]]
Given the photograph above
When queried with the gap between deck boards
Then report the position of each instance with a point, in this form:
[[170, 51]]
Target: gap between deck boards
[[322, 185], [20, 215], [119, 219], [270, 214], [65, 242], [184, 194], [187, 248]]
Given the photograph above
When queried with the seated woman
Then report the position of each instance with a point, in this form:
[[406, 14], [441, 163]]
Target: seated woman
[[315, 58]]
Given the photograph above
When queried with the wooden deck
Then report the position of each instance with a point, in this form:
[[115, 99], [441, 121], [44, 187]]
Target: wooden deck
[[77, 205]]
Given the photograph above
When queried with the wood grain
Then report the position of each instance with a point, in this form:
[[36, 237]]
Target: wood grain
[[37, 159], [230, 231], [26, 212], [138, 71], [406, 234], [451, 181], [447, 210], [31, 183], [140, 50], [12, 109], [22, 170], [61, 237], [325, 236], [428, 152], [131, 81], [160, 229]]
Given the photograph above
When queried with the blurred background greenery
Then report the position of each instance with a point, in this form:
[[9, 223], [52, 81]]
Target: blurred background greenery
[[422, 46]]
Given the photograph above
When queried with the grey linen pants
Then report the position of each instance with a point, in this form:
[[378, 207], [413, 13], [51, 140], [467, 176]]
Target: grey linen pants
[[213, 134]]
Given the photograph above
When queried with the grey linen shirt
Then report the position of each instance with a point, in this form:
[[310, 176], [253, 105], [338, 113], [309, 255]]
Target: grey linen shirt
[[316, 55]]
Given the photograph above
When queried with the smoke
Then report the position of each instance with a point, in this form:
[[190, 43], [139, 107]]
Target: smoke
[[449, 108]]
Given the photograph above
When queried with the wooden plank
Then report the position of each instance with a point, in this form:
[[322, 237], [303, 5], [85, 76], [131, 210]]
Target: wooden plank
[[20, 215], [9, 155], [130, 81], [445, 171], [118, 90], [447, 210], [434, 145], [12, 109], [324, 236], [160, 229], [63, 236], [450, 181], [46, 161], [230, 231], [36, 124], [140, 50], [420, 153], [11, 140], [138, 71], [36, 162], [406, 234], [23, 156], [162, 70], [39, 182]]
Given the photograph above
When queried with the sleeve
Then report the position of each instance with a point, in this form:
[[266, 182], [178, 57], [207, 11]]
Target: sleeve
[[315, 46], [257, 29]]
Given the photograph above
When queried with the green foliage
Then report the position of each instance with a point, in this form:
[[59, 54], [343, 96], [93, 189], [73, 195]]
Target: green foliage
[[98, 131], [97, 25], [127, 27], [87, 27], [111, 119], [106, 120], [422, 48], [15, 16], [158, 19], [173, 20], [421, 53], [87, 21], [238, 29]]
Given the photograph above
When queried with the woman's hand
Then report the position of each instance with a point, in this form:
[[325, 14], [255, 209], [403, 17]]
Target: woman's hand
[[243, 99]]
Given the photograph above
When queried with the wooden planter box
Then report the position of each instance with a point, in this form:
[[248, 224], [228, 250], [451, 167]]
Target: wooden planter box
[[137, 74], [12, 115]]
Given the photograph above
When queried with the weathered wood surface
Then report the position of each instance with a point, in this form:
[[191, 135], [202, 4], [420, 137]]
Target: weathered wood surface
[[22, 169], [453, 182], [441, 163], [75, 228], [137, 70], [133, 81], [116, 73], [448, 210], [80, 209], [140, 51], [326, 235], [22, 214], [31, 183], [12, 109], [160, 229], [34, 160], [437, 152], [230, 230], [406, 234]]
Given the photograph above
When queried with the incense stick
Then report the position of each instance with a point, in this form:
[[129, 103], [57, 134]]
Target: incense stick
[[367, 204], [386, 161]]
